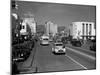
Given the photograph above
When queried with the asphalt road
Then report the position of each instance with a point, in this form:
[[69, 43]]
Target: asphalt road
[[74, 59]]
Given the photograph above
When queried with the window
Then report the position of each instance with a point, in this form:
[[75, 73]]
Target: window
[[83, 28], [23, 27], [82, 23], [86, 24], [58, 44], [90, 29], [86, 29]]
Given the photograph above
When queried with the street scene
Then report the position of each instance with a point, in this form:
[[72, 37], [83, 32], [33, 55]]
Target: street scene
[[52, 37]]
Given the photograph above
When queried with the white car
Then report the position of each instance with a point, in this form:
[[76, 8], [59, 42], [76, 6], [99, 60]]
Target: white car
[[44, 40], [59, 48]]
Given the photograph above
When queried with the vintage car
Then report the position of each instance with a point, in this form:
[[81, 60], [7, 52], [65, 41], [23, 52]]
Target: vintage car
[[59, 48]]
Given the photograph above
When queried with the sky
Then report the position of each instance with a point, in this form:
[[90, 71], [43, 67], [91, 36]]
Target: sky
[[60, 14]]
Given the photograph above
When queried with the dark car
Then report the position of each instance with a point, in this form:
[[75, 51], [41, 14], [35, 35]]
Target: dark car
[[20, 54], [64, 40], [26, 37], [93, 46], [14, 70], [76, 42]]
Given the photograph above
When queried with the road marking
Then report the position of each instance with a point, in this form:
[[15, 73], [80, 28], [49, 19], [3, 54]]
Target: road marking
[[81, 53], [76, 62]]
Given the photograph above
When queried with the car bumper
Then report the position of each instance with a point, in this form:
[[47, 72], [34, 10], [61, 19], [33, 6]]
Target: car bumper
[[60, 51], [44, 43]]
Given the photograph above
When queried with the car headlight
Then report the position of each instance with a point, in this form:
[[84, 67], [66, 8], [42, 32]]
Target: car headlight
[[56, 50], [64, 49], [16, 35], [25, 37], [15, 59], [22, 55]]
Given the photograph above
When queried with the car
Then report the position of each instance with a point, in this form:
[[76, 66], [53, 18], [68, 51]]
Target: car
[[76, 42], [64, 40], [93, 46], [44, 40], [25, 37], [21, 51], [59, 48], [20, 54], [15, 70]]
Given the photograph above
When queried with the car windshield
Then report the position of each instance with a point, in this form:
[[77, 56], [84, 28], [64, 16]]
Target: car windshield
[[45, 39], [58, 44]]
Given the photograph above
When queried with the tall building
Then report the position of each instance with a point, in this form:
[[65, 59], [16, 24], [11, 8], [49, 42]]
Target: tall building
[[31, 22], [51, 28], [83, 30]]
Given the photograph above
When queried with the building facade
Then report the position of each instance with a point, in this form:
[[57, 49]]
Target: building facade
[[32, 24], [83, 30], [51, 28]]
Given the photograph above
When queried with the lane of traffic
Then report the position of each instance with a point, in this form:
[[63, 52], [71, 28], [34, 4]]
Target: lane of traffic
[[81, 53], [88, 62], [47, 61], [88, 52]]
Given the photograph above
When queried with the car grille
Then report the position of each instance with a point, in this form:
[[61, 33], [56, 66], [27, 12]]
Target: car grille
[[60, 50]]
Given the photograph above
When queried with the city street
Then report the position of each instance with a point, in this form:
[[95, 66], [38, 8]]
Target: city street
[[45, 61], [51, 37]]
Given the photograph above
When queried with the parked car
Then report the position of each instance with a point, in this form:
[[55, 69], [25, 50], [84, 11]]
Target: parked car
[[26, 37], [21, 51], [76, 42], [93, 46], [20, 54], [59, 48], [14, 68]]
